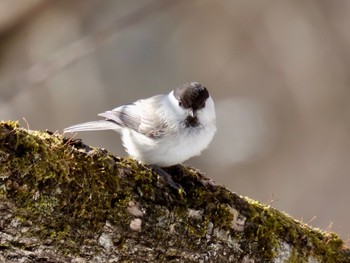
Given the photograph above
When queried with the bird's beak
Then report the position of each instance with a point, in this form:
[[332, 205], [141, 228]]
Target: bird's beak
[[192, 112]]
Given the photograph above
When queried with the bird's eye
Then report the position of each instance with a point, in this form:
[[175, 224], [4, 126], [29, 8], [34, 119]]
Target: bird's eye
[[180, 104]]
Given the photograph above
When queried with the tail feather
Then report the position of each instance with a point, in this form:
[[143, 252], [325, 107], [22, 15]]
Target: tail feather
[[93, 126]]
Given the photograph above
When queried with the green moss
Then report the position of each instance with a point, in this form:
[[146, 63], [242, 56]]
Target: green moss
[[44, 179], [268, 227], [222, 216]]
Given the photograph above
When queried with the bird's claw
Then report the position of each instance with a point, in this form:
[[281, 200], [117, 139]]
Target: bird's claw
[[168, 179]]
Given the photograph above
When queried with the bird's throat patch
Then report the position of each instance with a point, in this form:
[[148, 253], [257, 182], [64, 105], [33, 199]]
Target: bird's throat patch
[[191, 121]]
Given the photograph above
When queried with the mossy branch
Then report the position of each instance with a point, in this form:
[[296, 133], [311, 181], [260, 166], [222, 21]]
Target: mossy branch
[[63, 201]]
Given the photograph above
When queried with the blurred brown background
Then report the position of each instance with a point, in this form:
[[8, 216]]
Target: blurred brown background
[[278, 72]]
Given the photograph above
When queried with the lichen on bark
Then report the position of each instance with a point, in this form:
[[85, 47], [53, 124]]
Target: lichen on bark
[[67, 202]]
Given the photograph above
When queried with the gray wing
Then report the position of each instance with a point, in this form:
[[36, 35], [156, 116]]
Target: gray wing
[[142, 116], [128, 116]]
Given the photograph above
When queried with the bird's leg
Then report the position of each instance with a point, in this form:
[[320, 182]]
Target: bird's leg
[[167, 177]]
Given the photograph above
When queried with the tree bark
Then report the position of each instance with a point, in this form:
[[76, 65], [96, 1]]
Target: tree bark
[[63, 201]]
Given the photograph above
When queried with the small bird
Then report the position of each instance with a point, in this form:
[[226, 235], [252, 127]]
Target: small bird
[[163, 130]]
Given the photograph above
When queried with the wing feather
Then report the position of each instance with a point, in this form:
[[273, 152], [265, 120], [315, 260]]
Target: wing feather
[[127, 116], [142, 116]]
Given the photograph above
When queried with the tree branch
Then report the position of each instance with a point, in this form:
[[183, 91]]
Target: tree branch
[[63, 201]]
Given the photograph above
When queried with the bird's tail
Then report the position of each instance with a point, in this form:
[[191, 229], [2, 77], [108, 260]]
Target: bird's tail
[[93, 126]]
